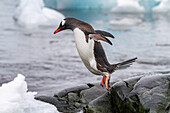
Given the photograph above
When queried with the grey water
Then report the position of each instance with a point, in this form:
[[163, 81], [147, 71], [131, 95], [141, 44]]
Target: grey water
[[51, 63]]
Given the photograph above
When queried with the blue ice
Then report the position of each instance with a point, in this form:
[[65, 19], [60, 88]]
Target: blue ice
[[148, 5]]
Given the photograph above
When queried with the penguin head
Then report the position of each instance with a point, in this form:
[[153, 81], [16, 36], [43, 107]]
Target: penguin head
[[61, 27], [69, 23]]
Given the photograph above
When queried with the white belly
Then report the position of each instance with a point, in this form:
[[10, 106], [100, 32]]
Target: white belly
[[85, 50]]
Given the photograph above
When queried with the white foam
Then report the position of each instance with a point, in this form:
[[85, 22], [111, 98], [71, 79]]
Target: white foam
[[16, 99], [33, 14]]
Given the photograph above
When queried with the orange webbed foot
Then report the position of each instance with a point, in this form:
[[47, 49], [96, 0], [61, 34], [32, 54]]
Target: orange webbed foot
[[107, 83], [103, 81]]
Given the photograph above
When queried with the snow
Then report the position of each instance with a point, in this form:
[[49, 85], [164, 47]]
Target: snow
[[16, 99], [126, 22], [33, 14]]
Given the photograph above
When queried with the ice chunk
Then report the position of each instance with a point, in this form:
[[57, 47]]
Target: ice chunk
[[33, 14], [164, 6], [149, 4], [126, 22], [15, 99], [127, 6]]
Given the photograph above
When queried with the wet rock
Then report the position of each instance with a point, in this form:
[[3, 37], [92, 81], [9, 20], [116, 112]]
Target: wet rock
[[73, 97], [141, 94], [101, 104], [78, 105], [71, 90], [112, 103], [61, 105], [92, 93], [154, 92], [136, 95], [123, 88]]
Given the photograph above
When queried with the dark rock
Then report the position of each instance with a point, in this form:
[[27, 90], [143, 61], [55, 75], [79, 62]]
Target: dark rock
[[51, 100], [78, 105], [71, 90], [112, 103], [92, 93], [90, 85], [123, 88], [61, 105], [101, 104], [128, 105], [73, 97], [142, 94], [154, 92]]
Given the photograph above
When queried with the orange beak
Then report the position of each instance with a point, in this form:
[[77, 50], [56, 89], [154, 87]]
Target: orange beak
[[57, 31]]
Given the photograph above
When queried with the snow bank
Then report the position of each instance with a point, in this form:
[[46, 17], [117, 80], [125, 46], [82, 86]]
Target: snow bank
[[33, 14], [15, 99], [126, 22]]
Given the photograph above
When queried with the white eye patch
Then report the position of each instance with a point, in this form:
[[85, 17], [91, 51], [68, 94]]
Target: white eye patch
[[63, 22]]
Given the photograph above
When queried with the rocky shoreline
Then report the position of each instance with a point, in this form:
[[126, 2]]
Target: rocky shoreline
[[141, 94]]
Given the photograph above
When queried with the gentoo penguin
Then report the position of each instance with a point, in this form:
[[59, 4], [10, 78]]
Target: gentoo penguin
[[88, 43]]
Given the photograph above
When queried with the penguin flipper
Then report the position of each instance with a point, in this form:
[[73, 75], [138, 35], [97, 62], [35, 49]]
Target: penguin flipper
[[104, 33], [98, 37]]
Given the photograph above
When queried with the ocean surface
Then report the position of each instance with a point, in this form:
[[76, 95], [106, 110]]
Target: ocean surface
[[51, 62]]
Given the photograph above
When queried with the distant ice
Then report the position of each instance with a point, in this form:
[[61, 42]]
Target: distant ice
[[149, 4], [83, 4], [119, 6], [164, 6], [33, 14], [127, 6], [16, 99], [126, 22]]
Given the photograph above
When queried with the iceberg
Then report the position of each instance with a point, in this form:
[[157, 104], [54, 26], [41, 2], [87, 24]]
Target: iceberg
[[119, 6], [81, 4], [163, 7], [127, 6], [16, 99], [33, 14], [149, 5]]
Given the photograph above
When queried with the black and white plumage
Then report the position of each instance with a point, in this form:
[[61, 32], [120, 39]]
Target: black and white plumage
[[88, 43]]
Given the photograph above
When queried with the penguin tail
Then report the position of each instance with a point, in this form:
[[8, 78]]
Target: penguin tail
[[122, 65]]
